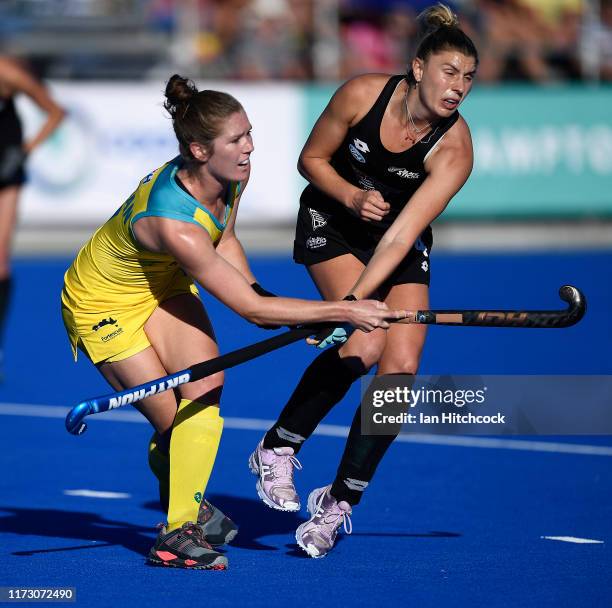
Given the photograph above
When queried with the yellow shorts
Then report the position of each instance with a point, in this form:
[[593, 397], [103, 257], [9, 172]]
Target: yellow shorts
[[117, 332]]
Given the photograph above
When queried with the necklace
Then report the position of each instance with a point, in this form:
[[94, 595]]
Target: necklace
[[411, 120]]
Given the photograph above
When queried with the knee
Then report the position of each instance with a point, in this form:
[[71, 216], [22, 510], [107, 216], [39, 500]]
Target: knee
[[5, 264], [368, 348], [207, 391], [400, 365]]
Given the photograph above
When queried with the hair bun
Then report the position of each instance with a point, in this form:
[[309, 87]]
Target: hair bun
[[179, 91], [436, 17]]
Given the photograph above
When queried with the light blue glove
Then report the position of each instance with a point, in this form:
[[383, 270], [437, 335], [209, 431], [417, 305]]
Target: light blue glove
[[338, 335]]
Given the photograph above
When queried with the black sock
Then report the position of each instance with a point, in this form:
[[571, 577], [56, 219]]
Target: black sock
[[326, 380], [361, 457], [5, 296]]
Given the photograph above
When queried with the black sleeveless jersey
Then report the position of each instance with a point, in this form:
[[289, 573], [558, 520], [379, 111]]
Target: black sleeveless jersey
[[10, 126], [363, 161]]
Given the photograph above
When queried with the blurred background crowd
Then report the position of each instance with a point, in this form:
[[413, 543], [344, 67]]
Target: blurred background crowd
[[536, 41]]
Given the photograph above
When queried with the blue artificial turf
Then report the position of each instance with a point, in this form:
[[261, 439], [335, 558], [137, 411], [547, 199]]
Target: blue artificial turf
[[439, 526]]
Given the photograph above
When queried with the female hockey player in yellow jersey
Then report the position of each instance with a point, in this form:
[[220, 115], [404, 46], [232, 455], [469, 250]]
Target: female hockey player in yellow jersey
[[130, 304]]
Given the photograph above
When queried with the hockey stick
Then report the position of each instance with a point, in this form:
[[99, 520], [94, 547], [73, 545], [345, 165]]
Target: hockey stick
[[75, 417], [535, 318], [508, 318]]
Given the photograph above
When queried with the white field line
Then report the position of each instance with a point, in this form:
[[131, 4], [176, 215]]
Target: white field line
[[574, 539], [332, 430], [96, 494]]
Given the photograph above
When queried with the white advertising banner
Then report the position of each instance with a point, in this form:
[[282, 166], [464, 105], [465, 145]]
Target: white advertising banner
[[115, 134]]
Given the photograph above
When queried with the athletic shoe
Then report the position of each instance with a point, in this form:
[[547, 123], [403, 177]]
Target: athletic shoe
[[318, 535], [185, 547], [275, 470], [218, 529]]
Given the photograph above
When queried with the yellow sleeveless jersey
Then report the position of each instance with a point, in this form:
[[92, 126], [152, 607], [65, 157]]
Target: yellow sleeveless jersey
[[113, 277]]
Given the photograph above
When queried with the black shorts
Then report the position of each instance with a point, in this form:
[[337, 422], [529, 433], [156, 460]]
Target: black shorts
[[12, 171], [327, 231]]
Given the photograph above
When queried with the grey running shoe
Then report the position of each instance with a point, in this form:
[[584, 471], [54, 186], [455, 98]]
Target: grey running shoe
[[318, 535], [218, 529], [275, 471], [185, 547]]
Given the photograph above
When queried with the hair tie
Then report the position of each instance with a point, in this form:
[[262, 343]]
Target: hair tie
[[185, 110]]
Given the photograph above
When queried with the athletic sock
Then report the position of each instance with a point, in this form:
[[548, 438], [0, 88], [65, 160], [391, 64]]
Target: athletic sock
[[196, 433], [159, 463], [5, 297], [362, 455], [324, 383]]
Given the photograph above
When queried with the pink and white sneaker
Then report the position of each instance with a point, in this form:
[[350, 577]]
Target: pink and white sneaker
[[275, 471], [318, 535]]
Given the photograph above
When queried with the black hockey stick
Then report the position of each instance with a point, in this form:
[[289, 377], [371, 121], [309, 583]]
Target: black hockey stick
[[505, 318], [508, 318], [75, 419]]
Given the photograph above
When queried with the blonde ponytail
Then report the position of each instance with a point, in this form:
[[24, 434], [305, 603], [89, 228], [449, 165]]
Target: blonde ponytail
[[437, 16]]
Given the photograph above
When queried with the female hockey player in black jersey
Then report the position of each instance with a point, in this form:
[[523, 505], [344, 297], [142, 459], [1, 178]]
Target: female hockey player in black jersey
[[16, 80], [383, 161]]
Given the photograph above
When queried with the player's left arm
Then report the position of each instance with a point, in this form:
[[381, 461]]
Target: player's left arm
[[20, 81], [448, 168], [230, 248]]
